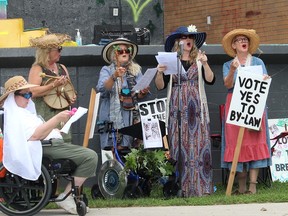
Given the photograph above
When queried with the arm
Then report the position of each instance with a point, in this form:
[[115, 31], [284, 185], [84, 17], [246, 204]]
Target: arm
[[44, 129], [229, 78], [159, 79], [35, 78], [208, 73]]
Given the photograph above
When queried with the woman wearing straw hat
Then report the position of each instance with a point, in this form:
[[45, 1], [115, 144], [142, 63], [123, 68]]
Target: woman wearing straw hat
[[118, 102], [196, 163], [240, 44], [48, 53], [23, 131]]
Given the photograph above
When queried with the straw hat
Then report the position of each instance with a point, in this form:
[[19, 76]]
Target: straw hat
[[199, 37], [13, 84], [108, 48], [49, 41], [251, 34]]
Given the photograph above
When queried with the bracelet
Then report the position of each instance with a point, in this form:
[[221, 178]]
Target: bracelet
[[113, 77]]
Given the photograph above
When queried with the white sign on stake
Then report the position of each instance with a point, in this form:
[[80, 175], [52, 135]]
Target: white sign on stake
[[249, 98]]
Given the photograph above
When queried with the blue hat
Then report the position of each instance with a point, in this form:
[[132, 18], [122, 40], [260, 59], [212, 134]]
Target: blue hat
[[199, 37]]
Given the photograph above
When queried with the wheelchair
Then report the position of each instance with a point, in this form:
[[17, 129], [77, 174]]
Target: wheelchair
[[19, 196]]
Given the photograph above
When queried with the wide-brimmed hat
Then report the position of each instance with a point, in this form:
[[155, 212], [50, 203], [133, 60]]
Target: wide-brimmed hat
[[49, 41], [108, 48], [13, 84], [199, 37], [251, 34]]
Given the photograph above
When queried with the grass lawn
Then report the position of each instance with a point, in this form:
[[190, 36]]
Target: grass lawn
[[278, 192]]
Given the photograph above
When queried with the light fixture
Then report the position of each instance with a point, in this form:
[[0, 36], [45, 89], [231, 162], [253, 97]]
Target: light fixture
[[208, 20], [115, 11]]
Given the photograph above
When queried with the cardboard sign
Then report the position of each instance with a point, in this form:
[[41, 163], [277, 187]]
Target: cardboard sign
[[249, 98], [279, 167], [153, 109]]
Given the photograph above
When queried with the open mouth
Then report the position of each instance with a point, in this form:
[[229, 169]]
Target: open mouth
[[189, 44], [244, 46]]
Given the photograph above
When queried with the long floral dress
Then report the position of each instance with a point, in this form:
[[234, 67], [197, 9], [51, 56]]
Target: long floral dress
[[196, 163]]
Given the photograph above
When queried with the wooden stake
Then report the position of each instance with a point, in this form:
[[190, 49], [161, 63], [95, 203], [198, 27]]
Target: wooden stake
[[235, 161], [89, 117]]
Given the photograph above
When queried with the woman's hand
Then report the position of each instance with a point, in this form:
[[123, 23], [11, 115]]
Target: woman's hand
[[60, 81], [266, 77], [63, 116], [120, 71], [234, 65], [202, 57], [161, 68]]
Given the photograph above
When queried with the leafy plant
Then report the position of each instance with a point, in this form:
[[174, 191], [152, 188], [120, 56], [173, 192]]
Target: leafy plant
[[148, 162]]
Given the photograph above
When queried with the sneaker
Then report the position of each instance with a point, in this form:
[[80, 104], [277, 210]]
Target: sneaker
[[68, 204]]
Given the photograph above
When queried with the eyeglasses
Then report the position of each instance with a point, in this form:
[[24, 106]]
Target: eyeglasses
[[122, 51], [186, 36], [59, 49], [26, 95], [241, 40]]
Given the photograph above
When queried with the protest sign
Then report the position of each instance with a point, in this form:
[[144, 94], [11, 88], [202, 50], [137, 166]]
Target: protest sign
[[249, 99], [279, 150]]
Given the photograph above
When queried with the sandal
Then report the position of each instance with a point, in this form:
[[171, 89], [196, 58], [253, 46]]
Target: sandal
[[248, 192], [236, 192]]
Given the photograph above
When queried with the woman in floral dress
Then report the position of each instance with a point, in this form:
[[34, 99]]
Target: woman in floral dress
[[194, 163]]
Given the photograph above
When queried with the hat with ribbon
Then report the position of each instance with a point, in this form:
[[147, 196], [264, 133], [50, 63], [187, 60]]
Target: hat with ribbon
[[13, 84], [199, 37], [49, 41], [251, 34], [113, 45]]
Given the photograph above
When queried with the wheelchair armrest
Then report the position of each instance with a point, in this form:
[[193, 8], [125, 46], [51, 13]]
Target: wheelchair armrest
[[46, 143]]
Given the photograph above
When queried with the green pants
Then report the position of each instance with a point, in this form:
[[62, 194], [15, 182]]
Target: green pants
[[85, 158]]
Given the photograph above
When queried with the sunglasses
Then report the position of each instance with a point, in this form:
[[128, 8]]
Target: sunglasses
[[122, 51], [59, 49], [26, 95], [241, 40], [186, 36]]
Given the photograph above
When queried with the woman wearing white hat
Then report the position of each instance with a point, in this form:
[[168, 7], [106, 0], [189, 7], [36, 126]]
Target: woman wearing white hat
[[240, 44], [118, 102]]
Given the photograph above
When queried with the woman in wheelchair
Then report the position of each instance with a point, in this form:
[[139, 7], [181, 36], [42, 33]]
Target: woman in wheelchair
[[23, 132]]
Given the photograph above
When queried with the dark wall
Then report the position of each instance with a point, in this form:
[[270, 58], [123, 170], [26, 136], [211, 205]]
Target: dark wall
[[84, 64], [64, 16]]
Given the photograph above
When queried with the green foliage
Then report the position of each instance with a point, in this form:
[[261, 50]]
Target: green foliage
[[148, 162]]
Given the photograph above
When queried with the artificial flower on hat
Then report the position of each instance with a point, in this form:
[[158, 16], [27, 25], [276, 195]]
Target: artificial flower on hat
[[114, 45], [199, 37]]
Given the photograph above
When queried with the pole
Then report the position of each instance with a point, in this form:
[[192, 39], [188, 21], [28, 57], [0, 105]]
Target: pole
[[120, 19], [235, 161], [179, 161]]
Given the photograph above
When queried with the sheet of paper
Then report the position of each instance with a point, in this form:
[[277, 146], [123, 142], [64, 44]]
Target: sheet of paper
[[78, 114], [151, 133], [256, 69], [170, 60], [145, 79]]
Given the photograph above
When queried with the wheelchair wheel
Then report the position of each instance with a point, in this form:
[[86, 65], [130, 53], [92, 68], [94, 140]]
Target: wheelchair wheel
[[170, 189], [112, 179], [133, 192], [95, 192], [81, 208], [24, 197]]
